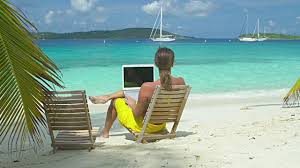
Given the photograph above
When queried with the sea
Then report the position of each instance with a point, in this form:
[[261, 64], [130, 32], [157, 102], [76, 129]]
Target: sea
[[210, 66]]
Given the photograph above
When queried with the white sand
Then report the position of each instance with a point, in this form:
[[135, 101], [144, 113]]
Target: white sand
[[214, 132]]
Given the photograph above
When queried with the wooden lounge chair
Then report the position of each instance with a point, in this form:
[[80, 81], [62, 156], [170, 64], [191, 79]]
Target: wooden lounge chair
[[68, 117], [165, 106]]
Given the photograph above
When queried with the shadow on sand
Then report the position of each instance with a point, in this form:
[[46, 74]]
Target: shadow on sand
[[129, 136]]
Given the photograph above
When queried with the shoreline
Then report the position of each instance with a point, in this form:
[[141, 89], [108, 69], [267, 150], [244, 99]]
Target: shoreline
[[252, 97]]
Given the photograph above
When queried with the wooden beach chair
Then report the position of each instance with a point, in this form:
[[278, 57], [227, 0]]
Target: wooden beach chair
[[69, 121], [165, 106]]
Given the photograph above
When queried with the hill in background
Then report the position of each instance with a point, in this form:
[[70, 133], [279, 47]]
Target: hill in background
[[274, 36], [129, 33]]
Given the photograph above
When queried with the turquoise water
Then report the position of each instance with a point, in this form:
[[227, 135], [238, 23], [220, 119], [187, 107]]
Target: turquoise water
[[214, 67]]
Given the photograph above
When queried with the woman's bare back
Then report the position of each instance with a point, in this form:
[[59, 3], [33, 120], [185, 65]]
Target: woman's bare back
[[148, 88]]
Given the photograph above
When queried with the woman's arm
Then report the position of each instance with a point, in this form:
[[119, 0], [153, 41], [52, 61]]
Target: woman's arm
[[118, 94], [139, 108]]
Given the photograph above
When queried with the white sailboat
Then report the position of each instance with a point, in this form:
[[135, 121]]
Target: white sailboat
[[161, 38], [252, 38], [245, 38]]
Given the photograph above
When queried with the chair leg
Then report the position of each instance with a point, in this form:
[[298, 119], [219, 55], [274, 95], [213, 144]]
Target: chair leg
[[93, 147], [144, 141], [54, 149]]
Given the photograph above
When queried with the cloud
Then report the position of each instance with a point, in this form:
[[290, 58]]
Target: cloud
[[183, 7], [82, 5], [151, 8], [284, 31], [49, 16], [271, 23], [199, 8], [262, 3], [100, 8], [100, 19], [245, 10], [76, 18], [298, 20], [69, 12]]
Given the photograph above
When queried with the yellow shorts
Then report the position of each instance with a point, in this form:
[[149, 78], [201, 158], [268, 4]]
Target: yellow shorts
[[127, 118]]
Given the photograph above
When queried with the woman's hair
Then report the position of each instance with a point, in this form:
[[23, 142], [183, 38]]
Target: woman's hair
[[164, 60]]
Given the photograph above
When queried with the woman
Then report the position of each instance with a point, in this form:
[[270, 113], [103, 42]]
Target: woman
[[131, 112]]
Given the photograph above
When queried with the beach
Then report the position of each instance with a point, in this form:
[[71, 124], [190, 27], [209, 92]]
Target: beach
[[233, 117], [233, 130]]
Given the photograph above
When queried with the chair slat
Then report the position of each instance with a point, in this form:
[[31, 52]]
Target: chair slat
[[69, 115], [176, 87], [67, 119], [163, 117], [63, 110], [79, 123], [164, 113], [170, 96], [72, 138], [65, 106], [160, 109], [160, 121], [167, 105], [163, 101], [61, 101], [75, 92], [70, 127], [173, 92], [66, 97]]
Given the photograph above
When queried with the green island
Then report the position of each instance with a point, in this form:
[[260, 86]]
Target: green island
[[129, 33], [275, 36]]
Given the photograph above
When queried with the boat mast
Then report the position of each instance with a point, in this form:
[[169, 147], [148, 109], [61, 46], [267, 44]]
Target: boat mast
[[258, 28], [246, 24], [161, 22]]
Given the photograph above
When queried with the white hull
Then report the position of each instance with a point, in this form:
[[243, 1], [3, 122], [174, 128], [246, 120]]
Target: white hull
[[163, 39], [250, 39], [247, 39], [261, 39]]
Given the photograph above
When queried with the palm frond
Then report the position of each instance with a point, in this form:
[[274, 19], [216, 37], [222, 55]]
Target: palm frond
[[293, 96], [26, 73]]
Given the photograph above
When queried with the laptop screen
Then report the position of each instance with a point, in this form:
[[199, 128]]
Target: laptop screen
[[135, 76]]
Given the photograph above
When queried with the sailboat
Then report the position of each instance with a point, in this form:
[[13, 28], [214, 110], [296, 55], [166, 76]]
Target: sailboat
[[161, 38], [245, 38], [252, 38]]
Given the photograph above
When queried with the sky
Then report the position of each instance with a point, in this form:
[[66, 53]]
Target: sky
[[198, 18]]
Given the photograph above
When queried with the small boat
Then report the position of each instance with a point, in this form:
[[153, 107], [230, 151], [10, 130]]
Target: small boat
[[161, 38]]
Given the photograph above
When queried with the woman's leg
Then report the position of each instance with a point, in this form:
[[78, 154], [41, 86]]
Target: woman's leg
[[105, 98], [110, 118], [111, 111]]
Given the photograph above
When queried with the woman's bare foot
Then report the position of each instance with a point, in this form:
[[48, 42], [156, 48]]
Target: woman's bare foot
[[99, 99], [105, 134]]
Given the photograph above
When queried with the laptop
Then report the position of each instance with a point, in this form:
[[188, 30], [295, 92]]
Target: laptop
[[134, 76]]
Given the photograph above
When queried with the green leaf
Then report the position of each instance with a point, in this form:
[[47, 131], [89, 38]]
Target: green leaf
[[293, 96], [26, 73]]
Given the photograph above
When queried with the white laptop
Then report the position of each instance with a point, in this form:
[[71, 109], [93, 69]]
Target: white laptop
[[134, 76]]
